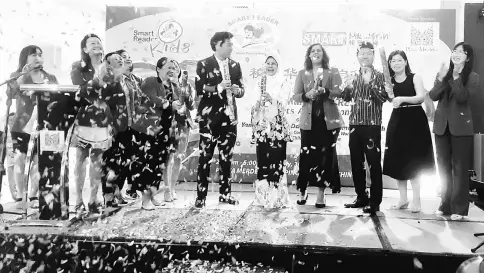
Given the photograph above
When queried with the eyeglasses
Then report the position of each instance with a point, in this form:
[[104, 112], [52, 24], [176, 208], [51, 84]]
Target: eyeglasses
[[459, 52], [397, 61]]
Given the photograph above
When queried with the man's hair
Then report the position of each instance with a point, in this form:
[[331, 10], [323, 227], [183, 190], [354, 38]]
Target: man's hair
[[249, 28], [110, 54], [220, 36], [365, 44], [121, 51]]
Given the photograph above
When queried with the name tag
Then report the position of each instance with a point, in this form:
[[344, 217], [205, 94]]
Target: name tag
[[51, 141]]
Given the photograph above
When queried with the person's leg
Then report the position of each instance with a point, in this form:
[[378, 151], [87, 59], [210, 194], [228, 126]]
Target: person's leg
[[35, 176], [179, 155], [11, 182], [461, 147], [167, 176], [373, 156], [416, 204], [130, 192], [336, 183], [444, 151], [402, 190], [123, 149], [108, 177], [225, 143], [207, 146], [95, 173], [305, 166], [20, 146], [327, 164], [357, 159], [82, 154]]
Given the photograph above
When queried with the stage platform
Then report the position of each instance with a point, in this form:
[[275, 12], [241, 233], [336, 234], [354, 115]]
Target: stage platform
[[304, 230]]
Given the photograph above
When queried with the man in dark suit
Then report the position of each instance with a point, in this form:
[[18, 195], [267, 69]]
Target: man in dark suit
[[218, 83]]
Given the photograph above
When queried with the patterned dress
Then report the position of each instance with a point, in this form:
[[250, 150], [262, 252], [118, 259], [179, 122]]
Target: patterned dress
[[271, 132]]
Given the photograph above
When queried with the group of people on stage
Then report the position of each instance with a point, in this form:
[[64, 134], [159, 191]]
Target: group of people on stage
[[131, 129], [137, 130]]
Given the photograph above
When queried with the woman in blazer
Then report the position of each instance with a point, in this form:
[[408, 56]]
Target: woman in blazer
[[453, 128], [320, 122], [154, 108]]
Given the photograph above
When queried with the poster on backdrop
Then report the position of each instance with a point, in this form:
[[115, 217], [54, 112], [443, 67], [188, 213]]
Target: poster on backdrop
[[151, 33]]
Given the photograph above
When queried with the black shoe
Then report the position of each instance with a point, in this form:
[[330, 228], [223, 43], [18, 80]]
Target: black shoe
[[111, 204], [371, 209], [358, 203], [132, 194], [303, 201], [80, 209], [121, 201], [336, 190], [320, 206], [200, 203], [93, 208], [228, 199]]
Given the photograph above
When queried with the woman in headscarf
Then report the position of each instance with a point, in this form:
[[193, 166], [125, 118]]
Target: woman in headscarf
[[271, 134]]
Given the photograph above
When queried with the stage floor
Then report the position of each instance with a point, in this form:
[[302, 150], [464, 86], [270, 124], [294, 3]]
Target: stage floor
[[333, 226]]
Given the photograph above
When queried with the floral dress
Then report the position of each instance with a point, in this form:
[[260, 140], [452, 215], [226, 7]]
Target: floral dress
[[271, 132]]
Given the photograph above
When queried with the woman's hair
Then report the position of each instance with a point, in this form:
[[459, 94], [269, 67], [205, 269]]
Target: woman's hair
[[408, 71], [84, 56], [178, 65], [308, 64], [24, 54], [159, 65], [464, 74]]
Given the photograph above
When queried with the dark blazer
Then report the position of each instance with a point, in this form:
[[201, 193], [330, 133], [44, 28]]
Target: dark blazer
[[93, 110], [116, 99], [51, 108], [212, 104], [454, 108], [149, 107], [331, 81]]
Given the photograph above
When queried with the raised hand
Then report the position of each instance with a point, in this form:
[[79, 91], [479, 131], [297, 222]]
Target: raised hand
[[443, 71]]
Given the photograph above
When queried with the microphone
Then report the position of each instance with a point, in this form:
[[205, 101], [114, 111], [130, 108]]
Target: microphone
[[21, 74], [184, 78]]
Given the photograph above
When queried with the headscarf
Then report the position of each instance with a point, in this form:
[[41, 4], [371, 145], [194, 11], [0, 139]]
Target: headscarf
[[274, 83]]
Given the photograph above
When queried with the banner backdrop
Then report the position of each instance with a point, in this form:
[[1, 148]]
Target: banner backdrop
[[151, 33]]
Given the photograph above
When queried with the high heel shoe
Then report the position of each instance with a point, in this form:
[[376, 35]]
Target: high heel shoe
[[415, 208], [320, 200], [304, 200], [456, 217], [336, 190], [400, 206]]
